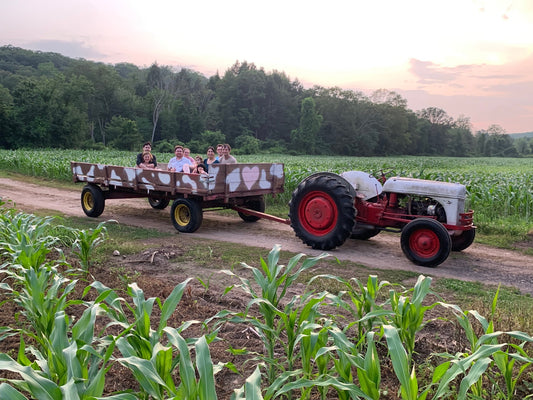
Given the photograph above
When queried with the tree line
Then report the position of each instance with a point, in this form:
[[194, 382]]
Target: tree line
[[49, 100]]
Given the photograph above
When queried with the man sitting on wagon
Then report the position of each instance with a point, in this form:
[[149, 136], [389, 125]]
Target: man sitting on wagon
[[179, 163]]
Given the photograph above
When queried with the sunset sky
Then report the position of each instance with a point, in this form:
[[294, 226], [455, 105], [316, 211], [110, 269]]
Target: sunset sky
[[469, 57]]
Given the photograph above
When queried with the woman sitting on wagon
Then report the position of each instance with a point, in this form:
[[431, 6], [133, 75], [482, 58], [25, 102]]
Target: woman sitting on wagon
[[147, 161], [147, 148]]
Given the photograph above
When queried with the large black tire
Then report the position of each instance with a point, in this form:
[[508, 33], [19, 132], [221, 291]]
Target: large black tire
[[464, 240], [364, 233], [92, 200], [322, 211], [426, 242], [186, 215], [253, 204], [158, 204]]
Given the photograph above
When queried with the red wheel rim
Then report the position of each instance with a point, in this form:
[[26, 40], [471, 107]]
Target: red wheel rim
[[318, 213], [425, 243]]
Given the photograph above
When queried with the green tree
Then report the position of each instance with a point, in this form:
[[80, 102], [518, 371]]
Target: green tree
[[436, 131], [306, 136], [246, 144], [123, 134], [8, 138], [103, 102], [523, 146]]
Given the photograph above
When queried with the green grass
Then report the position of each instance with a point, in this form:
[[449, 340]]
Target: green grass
[[514, 309]]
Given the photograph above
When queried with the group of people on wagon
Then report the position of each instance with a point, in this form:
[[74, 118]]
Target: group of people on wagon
[[183, 162]]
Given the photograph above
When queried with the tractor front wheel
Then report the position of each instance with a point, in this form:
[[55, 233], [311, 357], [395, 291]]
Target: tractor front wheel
[[92, 200], [186, 215], [426, 242], [322, 211]]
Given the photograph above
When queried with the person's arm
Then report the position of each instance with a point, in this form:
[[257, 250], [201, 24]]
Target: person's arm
[[154, 161], [139, 159]]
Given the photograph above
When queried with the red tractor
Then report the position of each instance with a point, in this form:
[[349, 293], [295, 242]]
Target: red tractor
[[326, 209]]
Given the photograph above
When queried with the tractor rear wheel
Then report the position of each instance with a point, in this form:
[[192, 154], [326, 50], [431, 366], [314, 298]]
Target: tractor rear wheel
[[322, 211], [186, 215], [364, 233], [253, 204], [158, 204], [426, 242], [464, 240], [92, 200]]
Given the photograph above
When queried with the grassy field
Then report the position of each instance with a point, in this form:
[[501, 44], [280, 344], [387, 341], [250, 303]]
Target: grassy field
[[500, 190]]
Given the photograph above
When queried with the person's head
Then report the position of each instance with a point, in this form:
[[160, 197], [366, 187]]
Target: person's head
[[226, 149], [147, 147], [178, 151], [200, 168], [210, 152], [198, 159], [147, 157], [186, 152], [220, 148]]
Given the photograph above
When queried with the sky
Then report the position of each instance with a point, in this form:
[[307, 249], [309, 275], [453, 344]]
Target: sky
[[471, 58]]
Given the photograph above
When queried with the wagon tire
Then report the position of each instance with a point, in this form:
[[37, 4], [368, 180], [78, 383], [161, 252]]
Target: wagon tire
[[253, 204], [426, 242], [322, 211], [186, 215], [158, 204], [92, 201], [464, 240]]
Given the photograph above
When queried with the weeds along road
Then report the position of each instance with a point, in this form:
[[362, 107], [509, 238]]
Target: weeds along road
[[477, 263]]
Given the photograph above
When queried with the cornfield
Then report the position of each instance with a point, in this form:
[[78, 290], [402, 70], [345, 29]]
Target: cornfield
[[500, 190]]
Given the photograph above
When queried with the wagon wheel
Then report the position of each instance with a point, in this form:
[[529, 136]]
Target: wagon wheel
[[464, 240], [92, 200], [186, 215], [158, 204], [322, 211], [364, 233], [426, 242], [253, 204]]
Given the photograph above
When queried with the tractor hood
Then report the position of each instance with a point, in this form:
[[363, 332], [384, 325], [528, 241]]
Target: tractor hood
[[425, 188]]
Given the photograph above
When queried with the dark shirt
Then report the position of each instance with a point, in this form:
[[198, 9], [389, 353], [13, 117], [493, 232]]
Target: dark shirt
[[140, 159], [207, 165]]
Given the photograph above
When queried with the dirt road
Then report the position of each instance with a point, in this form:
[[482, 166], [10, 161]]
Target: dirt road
[[477, 263]]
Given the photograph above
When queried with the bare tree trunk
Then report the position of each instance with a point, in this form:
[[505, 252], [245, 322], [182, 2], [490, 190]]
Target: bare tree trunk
[[91, 130], [101, 124], [157, 110]]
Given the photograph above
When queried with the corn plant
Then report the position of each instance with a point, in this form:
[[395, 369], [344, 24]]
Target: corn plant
[[72, 364], [273, 280], [403, 367], [484, 351], [408, 313], [362, 300], [24, 239], [86, 241], [41, 293], [348, 356], [251, 388], [141, 346], [506, 363]]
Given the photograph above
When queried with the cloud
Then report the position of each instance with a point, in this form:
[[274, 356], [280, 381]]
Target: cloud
[[73, 49]]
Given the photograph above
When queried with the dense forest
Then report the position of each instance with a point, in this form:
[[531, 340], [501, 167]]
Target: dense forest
[[49, 100]]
